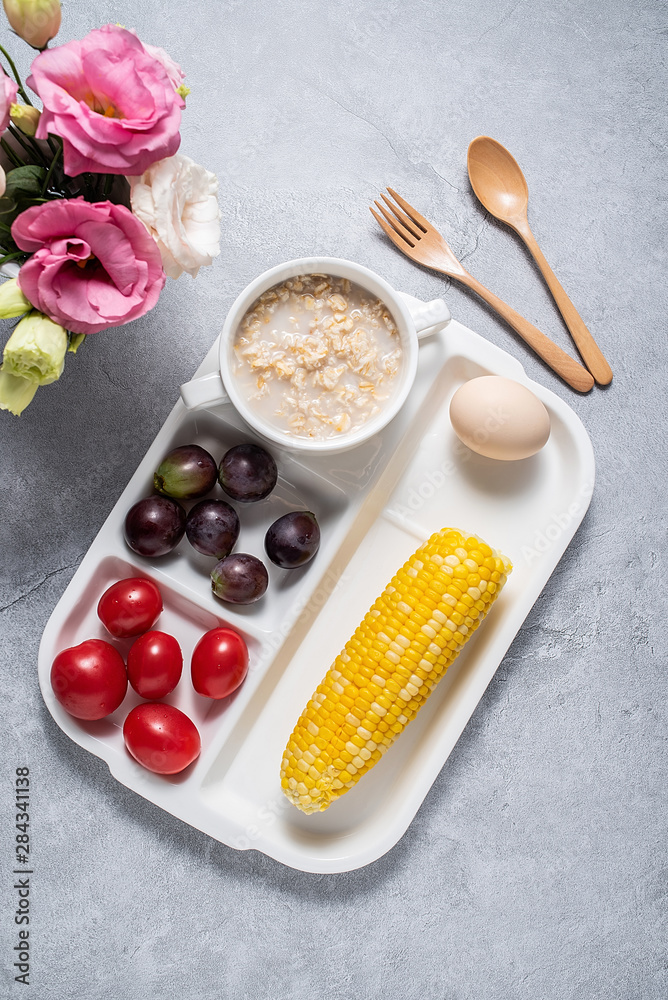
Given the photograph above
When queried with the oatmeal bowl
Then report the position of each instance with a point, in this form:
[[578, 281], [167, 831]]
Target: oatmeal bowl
[[318, 354]]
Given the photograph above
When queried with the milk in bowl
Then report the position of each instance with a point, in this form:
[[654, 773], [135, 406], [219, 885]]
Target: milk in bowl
[[317, 356]]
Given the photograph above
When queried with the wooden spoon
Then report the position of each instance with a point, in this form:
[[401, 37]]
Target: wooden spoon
[[500, 187]]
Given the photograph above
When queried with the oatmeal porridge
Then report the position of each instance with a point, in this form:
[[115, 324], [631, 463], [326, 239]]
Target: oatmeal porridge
[[317, 356]]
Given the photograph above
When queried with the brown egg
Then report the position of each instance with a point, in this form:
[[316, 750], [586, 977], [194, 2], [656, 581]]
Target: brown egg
[[499, 418]]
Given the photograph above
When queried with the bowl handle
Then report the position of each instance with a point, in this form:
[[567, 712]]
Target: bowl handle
[[429, 317], [203, 392]]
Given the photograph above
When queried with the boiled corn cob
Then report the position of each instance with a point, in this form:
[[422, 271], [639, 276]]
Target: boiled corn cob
[[389, 667]]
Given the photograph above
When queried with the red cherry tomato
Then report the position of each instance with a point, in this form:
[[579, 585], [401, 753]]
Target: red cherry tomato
[[219, 663], [161, 738], [155, 662], [130, 607], [89, 680]]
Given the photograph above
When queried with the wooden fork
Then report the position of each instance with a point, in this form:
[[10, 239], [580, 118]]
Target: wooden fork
[[417, 238]]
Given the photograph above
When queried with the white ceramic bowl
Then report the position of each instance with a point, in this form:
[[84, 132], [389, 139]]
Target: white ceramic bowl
[[414, 320]]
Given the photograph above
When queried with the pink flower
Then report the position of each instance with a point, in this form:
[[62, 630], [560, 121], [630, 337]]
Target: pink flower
[[93, 265], [8, 92], [112, 103]]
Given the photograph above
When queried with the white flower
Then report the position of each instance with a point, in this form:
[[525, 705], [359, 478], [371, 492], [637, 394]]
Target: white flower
[[3, 182], [176, 200]]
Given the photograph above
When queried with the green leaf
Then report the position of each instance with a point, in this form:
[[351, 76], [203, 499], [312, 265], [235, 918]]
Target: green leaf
[[25, 183], [8, 211], [24, 189]]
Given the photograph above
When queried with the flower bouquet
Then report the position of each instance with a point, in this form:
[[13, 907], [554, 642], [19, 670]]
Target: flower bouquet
[[97, 206]]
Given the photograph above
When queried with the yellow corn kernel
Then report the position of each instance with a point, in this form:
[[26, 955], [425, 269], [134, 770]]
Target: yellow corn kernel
[[389, 667]]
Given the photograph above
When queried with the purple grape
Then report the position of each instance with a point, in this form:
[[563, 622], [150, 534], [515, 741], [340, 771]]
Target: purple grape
[[186, 473], [247, 473], [239, 579], [293, 539], [154, 526], [212, 527]]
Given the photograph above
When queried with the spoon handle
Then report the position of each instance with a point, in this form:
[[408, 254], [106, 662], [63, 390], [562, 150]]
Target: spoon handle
[[589, 350], [569, 370]]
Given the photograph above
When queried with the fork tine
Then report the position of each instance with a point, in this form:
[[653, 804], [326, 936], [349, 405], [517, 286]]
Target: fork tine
[[406, 222], [418, 219], [400, 230], [399, 241]]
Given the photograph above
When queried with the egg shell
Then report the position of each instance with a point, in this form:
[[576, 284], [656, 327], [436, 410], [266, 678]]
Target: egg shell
[[499, 418]]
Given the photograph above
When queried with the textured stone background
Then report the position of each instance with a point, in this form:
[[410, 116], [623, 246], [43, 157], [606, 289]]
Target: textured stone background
[[536, 866]]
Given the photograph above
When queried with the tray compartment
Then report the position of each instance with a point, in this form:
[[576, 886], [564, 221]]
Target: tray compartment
[[182, 618], [187, 570], [255, 748]]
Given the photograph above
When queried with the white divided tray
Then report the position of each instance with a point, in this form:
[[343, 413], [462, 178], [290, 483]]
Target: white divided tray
[[375, 504]]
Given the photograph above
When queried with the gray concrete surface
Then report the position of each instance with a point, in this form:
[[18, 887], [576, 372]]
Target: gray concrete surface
[[536, 866]]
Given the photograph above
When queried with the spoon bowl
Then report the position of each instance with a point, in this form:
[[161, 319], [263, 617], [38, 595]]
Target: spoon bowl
[[497, 181], [501, 188]]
